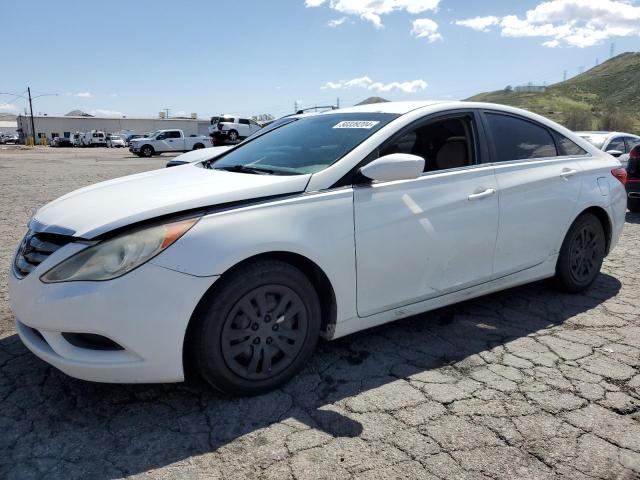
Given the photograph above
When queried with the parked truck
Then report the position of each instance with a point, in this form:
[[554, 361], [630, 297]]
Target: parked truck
[[162, 141]]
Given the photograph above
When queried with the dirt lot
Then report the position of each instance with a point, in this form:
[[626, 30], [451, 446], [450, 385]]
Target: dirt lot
[[528, 383]]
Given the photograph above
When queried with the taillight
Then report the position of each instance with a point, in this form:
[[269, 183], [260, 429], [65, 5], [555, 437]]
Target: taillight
[[620, 174]]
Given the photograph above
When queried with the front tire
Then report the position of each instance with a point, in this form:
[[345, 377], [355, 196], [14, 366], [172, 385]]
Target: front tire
[[198, 146], [146, 151], [256, 329], [581, 254]]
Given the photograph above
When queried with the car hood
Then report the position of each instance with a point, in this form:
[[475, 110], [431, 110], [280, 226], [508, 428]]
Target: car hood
[[106, 206], [201, 154]]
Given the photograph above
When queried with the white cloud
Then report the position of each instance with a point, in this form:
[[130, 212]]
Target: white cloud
[[8, 107], [337, 22], [373, 10], [426, 28], [99, 112], [576, 23], [480, 24], [365, 82], [114, 95], [84, 95]]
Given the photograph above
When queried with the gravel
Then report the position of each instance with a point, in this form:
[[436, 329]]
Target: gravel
[[526, 383]]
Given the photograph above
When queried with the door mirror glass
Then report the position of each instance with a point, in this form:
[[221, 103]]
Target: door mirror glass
[[395, 166], [614, 153]]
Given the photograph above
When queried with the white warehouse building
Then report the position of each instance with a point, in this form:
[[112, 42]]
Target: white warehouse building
[[50, 126]]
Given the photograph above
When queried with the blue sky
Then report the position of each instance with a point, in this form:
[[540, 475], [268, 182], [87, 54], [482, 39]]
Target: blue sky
[[258, 56]]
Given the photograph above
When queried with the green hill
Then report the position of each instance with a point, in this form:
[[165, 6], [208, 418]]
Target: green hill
[[605, 97]]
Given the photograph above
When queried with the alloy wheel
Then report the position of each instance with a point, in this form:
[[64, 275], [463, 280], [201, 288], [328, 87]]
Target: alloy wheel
[[584, 253]]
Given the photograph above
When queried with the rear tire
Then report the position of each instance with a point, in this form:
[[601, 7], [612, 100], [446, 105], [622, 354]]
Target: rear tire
[[256, 329], [198, 146], [581, 254], [633, 204], [233, 136]]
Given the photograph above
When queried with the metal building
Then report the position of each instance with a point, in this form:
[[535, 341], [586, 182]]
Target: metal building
[[50, 126]]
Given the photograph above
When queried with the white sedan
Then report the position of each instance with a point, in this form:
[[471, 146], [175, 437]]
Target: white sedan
[[323, 226]]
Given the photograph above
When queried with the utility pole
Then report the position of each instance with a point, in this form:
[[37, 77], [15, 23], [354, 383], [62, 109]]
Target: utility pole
[[338, 102], [33, 128], [167, 110], [612, 50], [564, 76], [295, 107]]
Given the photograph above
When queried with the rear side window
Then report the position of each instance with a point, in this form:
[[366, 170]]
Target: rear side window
[[566, 147], [519, 139], [173, 134], [632, 142], [244, 121]]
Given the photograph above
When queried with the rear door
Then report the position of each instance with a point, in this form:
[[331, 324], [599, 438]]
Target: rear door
[[243, 127], [538, 190], [175, 141], [422, 238]]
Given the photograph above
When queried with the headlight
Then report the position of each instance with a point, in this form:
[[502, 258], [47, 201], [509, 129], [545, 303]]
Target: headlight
[[119, 255]]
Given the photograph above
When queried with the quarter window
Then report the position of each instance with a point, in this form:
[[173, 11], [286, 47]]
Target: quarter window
[[519, 139], [567, 147]]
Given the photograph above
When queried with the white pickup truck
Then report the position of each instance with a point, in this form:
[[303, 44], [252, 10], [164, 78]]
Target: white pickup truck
[[163, 141]]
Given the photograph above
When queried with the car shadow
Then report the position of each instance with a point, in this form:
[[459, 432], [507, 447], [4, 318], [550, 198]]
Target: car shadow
[[56, 426], [632, 217]]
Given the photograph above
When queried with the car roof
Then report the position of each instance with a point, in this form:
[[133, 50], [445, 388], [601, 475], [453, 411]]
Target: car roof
[[387, 107], [607, 134]]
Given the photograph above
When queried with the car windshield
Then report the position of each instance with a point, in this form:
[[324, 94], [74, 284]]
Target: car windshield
[[115, 137], [595, 140], [304, 146]]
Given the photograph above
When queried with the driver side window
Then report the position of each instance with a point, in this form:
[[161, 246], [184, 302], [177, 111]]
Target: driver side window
[[444, 144]]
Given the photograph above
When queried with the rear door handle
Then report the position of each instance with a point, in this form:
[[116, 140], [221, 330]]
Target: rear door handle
[[480, 195], [568, 173]]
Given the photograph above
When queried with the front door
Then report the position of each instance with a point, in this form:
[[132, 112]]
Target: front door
[[419, 239]]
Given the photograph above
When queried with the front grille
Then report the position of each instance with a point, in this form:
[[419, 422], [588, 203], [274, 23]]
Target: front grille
[[35, 249]]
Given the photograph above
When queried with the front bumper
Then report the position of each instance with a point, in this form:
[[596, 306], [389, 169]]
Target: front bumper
[[633, 189], [146, 312], [134, 149]]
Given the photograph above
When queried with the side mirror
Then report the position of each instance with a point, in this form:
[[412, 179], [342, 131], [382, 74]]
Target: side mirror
[[396, 166], [614, 153]]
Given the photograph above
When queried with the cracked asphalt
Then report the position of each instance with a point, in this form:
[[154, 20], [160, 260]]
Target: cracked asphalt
[[526, 383]]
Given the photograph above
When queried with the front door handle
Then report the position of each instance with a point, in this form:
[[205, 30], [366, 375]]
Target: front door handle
[[568, 173], [483, 194]]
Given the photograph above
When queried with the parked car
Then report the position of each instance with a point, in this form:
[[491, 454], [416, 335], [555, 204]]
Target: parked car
[[132, 137], [115, 141], [616, 144], [237, 265], [231, 128], [633, 180], [94, 138], [9, 138], [163, 141], [62, 142], [77, 139]]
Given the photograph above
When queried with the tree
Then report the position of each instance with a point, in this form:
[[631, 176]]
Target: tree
[[614, 120], [578, 119], [508, 89]]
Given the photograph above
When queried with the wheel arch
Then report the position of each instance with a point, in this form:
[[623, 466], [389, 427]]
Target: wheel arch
[[315, 274], [602, 215]]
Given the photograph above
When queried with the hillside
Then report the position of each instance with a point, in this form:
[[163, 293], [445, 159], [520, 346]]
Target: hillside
[[606, 96]]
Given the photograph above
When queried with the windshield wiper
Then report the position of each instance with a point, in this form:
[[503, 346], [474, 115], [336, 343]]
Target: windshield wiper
[[246, 169]]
